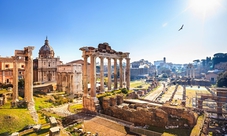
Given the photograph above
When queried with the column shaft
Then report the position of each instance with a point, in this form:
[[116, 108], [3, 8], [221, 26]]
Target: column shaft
[[115, 73], [85, 88], [121, 72], [128, 73], [29, 75], [101, 75], [109, 74], [93, 76], [15, 79]]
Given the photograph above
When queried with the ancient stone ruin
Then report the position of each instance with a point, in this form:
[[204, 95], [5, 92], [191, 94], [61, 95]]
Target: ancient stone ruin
[[103, 51], [28, 88], [147, 114]]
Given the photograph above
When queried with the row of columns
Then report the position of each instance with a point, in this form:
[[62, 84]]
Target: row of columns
[[93, 74], [190, 73]]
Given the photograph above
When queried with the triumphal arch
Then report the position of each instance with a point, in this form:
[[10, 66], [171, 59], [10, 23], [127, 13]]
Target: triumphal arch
[[28, 75], [103, 51]]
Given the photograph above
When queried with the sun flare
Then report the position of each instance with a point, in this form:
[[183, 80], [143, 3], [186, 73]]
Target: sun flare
[[205, 7]]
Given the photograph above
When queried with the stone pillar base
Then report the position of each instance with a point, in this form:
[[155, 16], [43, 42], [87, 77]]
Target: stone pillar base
[[90, 104]]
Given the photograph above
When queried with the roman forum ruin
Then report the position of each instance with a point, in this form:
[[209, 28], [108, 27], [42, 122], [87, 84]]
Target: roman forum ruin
[[28, 89], [103, 51]]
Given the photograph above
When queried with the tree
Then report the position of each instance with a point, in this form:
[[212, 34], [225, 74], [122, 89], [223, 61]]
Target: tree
[[219, 57], [21, 83], [222, 79]]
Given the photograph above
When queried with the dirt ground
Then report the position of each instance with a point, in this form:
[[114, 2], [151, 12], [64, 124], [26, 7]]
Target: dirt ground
[[105, 127]]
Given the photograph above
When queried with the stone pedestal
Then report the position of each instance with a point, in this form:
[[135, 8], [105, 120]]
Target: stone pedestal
[[90, 104]]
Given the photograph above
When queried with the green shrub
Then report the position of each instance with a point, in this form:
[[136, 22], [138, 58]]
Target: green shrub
[[124, 90]]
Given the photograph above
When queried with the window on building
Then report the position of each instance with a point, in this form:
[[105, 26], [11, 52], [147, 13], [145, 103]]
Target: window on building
[[7, 65], [22, 66], [20, 72], [43, 63], [49, 64]]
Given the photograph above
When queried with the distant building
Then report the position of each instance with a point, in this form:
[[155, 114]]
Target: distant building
[[158, 62], [45, 66], [6, 69], [141, 69], [212, 75], [82, 63]]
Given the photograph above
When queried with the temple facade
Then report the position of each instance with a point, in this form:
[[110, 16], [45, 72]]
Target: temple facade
[[103, 51], [45, 66]]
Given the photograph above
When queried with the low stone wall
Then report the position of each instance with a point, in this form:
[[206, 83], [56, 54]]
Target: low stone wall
[[145, 114]]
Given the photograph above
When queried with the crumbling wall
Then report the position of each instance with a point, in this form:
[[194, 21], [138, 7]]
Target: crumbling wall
[[145, 114]]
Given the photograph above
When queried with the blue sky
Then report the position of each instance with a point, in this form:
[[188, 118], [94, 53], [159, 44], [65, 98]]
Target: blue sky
[[148, 29]]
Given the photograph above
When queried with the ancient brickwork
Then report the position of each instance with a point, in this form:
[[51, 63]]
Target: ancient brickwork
[[145, 114]]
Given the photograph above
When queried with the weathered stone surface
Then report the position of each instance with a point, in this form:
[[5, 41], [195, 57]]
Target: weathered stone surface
[[132, 95], [105, 103], [113, 101], [184, 113], [119, 99], [144, 114]]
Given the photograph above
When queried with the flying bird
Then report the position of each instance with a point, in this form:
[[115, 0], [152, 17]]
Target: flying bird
[[181, 28]]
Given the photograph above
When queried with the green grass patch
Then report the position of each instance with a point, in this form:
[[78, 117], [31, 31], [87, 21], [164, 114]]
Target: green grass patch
[[12, 120], [196, 129], [3, 91], [75, 107], [139, 84], [42, 102]]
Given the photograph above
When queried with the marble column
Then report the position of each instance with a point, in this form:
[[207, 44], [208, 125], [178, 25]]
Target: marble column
[[28, 93], [15, 79], [101, 75], [109, 74], [115, 73], [85, 87], [128, 73], [121, 72], [93, 76]]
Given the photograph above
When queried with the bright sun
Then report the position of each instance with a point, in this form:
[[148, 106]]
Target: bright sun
[[204, 7]]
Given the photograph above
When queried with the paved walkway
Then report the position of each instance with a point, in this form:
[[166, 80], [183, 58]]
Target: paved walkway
[[62, 110]]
